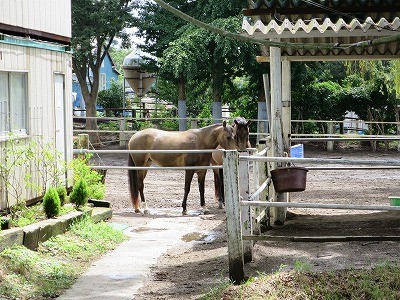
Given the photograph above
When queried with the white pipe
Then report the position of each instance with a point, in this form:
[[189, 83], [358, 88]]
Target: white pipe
[[319, 205], [322, 160], [83, 151], [155, 168], [260, 189]]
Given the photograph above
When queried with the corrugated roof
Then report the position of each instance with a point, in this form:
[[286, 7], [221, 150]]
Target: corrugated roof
[[326, 21], [286, 28]]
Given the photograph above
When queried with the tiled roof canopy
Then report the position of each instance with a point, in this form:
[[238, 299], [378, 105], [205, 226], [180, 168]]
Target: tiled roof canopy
[[326, 21]]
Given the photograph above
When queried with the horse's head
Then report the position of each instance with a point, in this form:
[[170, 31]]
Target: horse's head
[[226, 137], [241, 128]]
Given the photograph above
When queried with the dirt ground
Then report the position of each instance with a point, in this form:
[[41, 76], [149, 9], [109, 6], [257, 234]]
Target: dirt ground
[[200, 262]]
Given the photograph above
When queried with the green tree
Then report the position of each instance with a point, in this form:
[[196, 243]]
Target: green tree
[[95, 25], [80, 194], [51, 203], [113, 97]]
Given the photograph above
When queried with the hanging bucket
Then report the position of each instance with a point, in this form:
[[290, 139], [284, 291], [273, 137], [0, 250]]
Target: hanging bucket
[[289, 179]]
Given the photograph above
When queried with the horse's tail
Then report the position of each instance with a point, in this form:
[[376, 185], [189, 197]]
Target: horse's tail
[[133, 186]]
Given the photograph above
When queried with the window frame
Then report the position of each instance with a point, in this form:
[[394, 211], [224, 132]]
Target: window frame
[[22, 131], [103, 82]]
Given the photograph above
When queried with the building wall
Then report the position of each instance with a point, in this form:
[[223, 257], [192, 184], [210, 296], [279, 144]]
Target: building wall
[[41, 66], [52, 16]]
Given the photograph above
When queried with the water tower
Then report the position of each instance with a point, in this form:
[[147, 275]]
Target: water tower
[[139, 80]]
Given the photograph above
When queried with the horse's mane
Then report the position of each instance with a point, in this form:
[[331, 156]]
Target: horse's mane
[[240, 121], [210, 126]]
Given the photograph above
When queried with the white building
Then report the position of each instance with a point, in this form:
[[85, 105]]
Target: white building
[[35, 81]]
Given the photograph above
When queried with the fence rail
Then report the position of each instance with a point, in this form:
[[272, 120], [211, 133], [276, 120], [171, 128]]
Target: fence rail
[[240, 217]]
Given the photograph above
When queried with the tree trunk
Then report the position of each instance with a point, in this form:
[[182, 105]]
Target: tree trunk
[[216, 84], [89, 96], [182, 114]]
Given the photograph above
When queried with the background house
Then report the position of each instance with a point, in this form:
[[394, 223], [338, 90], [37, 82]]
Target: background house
[[108, 72], [35, 84]]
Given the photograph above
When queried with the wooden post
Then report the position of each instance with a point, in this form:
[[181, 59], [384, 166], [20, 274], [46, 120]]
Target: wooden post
[[193, 124], [278, 215], [83, 143], [122, 135], [267, 92], [233, 218], [246, 212], [259, 180], [329, 144]]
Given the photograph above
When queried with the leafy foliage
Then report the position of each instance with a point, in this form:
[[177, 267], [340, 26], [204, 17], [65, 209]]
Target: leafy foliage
[[95, 25], [83, 171], [62, 194], [112, 97], [51, 203]]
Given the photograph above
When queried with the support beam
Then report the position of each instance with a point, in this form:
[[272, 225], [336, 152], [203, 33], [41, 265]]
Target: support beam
[[278, 215], [233, 218]]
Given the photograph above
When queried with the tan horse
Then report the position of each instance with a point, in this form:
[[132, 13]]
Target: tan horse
[[208, 137], [241, 132]]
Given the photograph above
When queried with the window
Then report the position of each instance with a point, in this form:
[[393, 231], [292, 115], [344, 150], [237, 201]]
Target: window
[[102, 81], [13, 103]]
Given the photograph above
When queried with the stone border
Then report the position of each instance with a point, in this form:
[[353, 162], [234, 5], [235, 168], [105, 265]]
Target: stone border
[[31, 235]]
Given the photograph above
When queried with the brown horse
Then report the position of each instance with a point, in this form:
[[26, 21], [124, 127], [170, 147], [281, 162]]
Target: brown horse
[[208, 137], [241, 131]]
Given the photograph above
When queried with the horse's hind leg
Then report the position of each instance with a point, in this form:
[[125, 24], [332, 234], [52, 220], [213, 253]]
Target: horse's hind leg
[[221, 189], [142, 176], [188, 180], [216, 186], [201, 178]]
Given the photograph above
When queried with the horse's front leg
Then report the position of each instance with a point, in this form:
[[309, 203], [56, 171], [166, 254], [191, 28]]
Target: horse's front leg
[[188, 181], [201, 178]]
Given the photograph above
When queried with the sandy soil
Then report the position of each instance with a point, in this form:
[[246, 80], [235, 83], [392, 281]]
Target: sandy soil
[[200, 263]]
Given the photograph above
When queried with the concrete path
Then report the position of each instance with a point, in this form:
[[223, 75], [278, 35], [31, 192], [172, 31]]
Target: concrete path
[[119, 274]]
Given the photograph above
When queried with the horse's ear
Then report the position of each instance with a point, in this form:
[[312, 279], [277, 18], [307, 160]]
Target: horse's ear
[[248, 123], [236, 122], [224, 123]]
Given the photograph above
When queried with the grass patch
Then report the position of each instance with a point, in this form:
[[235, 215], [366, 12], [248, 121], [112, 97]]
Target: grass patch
[[380, 282], [44, 274], [29, 215]]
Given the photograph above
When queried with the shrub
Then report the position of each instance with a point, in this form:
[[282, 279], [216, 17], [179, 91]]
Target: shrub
[[80, 194], [83, 171], [51, 203], [62, 194]]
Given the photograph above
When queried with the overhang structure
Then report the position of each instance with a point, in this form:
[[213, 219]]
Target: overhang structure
[[335, 29]]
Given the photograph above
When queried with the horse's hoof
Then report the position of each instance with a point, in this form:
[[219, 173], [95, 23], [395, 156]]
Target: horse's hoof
[[184, 213], [206, 212], [137, 211], [220, 206], [146, 212]]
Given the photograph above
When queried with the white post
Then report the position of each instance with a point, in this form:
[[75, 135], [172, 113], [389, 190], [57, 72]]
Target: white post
[[122, 135], [217, 112], [286, 117], [246, 214], [278, 215], [233, 218], [182, 114], [329, 144], [286, 104]]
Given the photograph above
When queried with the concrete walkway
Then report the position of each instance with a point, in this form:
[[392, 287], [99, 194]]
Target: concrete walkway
[[119, 274]]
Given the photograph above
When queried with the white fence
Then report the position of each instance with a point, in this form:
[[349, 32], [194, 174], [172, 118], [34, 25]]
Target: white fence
[[124, 133], [241, 219]]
